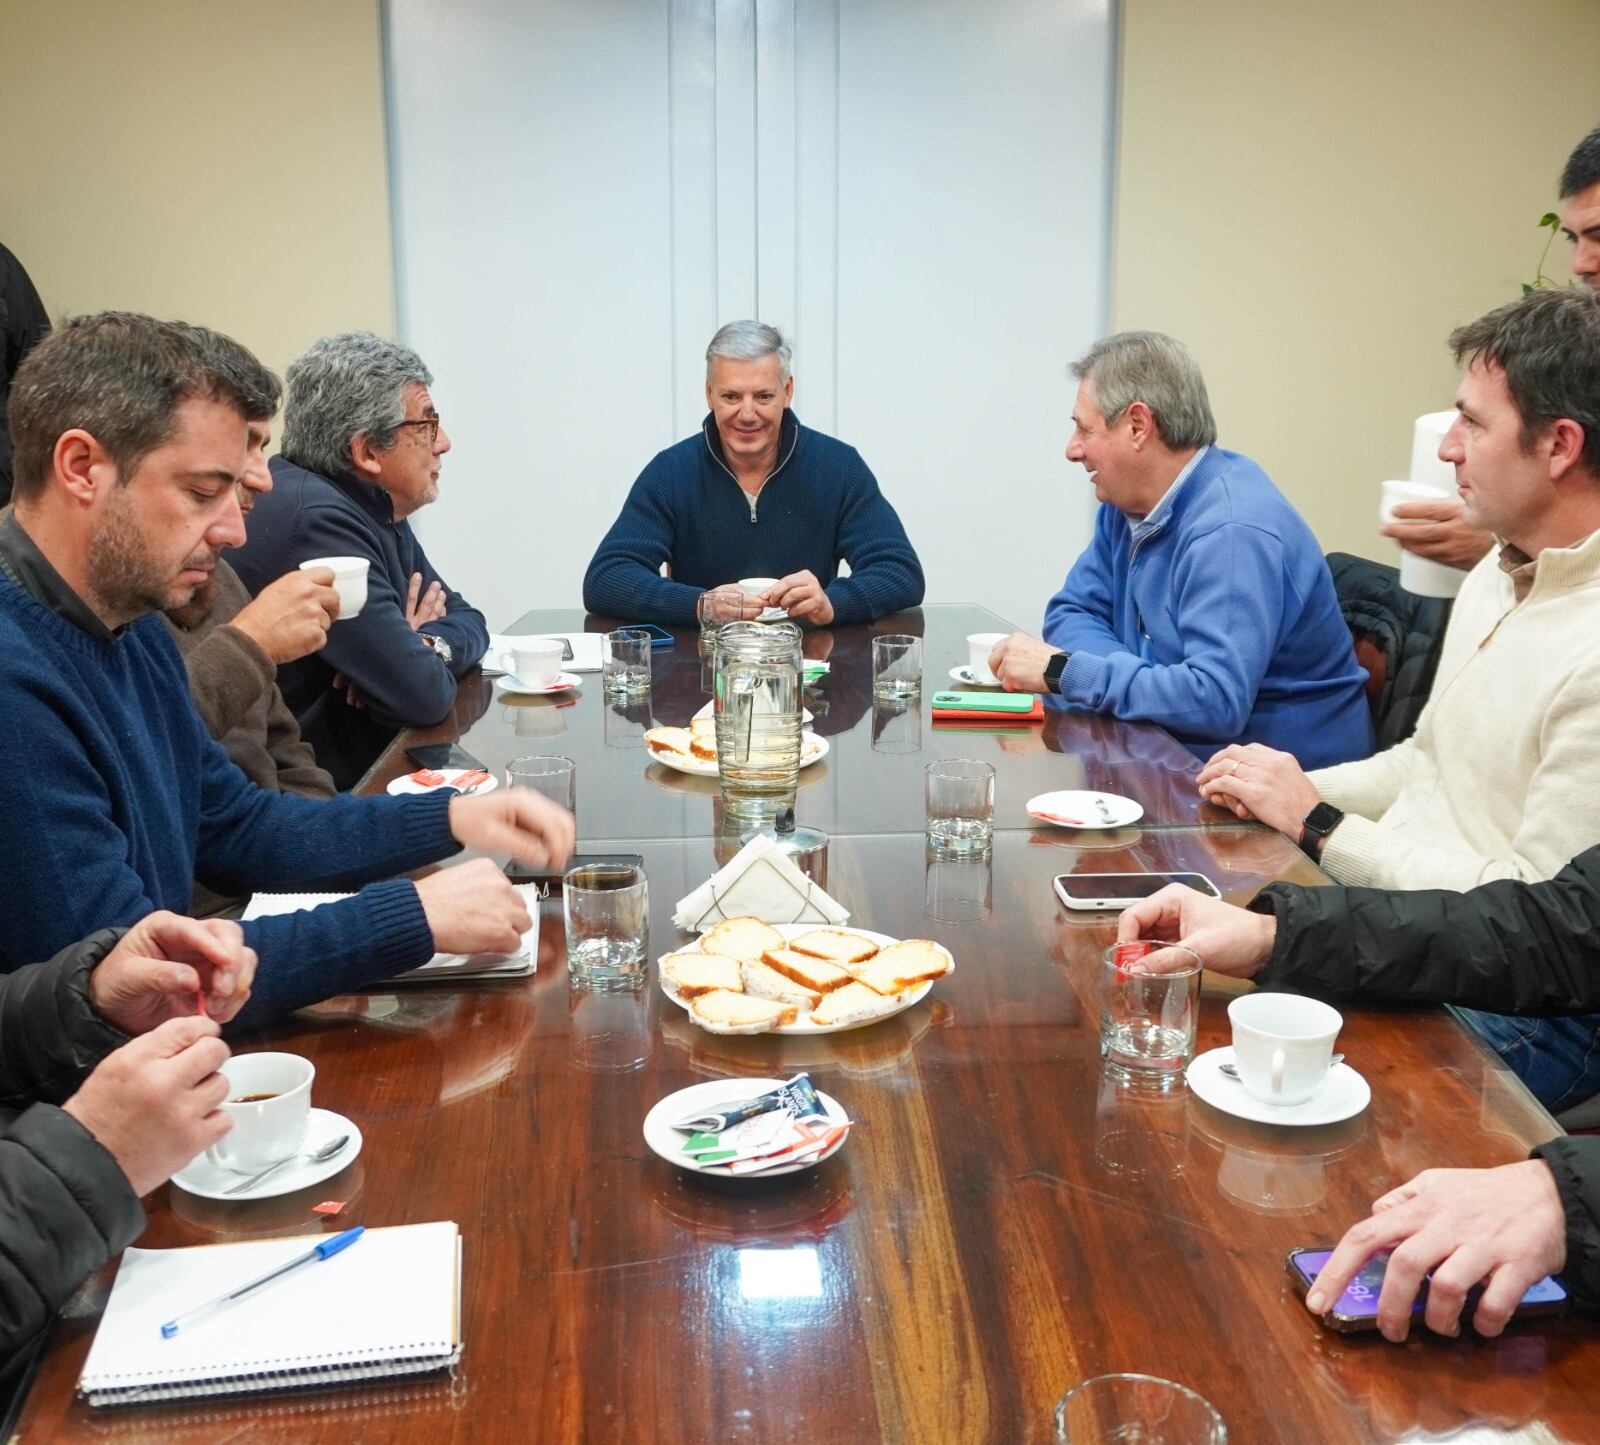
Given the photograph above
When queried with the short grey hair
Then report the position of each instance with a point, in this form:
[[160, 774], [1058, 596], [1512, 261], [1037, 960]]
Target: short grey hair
[[1161, 372], [340, 387], [750, 341]]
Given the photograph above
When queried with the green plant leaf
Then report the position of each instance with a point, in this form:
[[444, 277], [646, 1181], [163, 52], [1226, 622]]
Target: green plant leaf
[[1527, 290], [1550, 219]]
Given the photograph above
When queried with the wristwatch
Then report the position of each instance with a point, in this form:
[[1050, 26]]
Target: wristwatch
[[1053, 670], [1316, 826], [440, 647]]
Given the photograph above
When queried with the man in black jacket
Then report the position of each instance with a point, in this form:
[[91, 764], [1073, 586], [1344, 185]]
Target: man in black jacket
[[1519, 948], [76, 1152]]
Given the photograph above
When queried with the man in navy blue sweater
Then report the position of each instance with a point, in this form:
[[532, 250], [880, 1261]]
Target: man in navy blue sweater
[[1203, 602], [130, 442], [362, 450], [754, 494]]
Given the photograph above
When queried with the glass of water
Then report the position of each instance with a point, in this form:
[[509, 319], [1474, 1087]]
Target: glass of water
[[607, 908], [1147, 1021], [555, 777], [1137, 1407], [627, 661], [896, 666], [960, 802]]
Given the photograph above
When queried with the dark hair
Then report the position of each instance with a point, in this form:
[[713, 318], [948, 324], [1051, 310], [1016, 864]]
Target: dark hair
[[1548, 346], [122, 377], [1583, 165]]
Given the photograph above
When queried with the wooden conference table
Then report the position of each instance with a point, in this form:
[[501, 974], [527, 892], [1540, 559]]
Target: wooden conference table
[[1002, 1226]]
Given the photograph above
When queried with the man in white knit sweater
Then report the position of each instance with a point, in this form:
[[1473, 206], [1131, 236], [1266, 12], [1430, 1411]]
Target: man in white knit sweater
[[1502, 777]]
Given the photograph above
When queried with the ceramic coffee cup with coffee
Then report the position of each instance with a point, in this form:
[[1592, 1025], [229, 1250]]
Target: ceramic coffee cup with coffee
[[1282, 1045], [349, 581], [269, 1103]]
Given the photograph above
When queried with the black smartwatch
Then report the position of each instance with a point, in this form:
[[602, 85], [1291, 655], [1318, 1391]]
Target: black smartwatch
[[1316, 826], [1053, 670]]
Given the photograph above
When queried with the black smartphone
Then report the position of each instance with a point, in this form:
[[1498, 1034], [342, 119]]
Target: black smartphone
[[441, 756], [659, 636], [549, 879], [1357, 1308]]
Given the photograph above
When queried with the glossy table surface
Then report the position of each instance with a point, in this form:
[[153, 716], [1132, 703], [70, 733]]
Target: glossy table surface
[[1002, 1225]]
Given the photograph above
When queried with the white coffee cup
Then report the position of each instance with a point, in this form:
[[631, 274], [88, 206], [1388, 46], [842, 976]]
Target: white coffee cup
[[265, 1131], [536, 660], [757, 586], [1282, 1045], [1418, 574], [979, 646], [349, 581]]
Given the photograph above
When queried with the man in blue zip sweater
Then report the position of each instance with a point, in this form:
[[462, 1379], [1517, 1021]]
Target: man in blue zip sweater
[[362, 450], [755, 494], [130, 442], [1203, 602]]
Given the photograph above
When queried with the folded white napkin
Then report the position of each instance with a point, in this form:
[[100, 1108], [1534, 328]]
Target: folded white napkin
[[763, 881]]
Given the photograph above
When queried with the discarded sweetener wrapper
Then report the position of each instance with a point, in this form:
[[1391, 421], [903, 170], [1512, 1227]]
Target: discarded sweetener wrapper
[[329, 1206], [1127, 952], [798, 1096]]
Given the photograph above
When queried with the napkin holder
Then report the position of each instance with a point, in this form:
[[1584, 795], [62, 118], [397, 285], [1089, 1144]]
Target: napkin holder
[[771, 887]]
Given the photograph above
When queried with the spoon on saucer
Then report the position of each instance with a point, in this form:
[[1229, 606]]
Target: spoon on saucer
[[1233, 1073], [319, 1156]]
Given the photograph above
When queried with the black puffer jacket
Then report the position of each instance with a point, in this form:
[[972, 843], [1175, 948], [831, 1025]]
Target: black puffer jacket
[[65, 1206], [1512, 947]]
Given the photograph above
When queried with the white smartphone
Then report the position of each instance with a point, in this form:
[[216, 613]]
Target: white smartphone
[[1091, 892]]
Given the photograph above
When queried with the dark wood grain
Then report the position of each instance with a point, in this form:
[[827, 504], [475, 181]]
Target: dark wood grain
[[1002, 1225]]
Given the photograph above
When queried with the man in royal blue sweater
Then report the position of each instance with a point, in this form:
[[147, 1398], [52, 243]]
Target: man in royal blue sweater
[[754, 494], [362, 450], [130, 442], [1203, 602]]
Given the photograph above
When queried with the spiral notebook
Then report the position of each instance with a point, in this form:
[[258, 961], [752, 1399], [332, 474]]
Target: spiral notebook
[[388, 1305]]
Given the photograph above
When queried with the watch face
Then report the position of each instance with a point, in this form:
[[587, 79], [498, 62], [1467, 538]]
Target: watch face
[[1322, 818]]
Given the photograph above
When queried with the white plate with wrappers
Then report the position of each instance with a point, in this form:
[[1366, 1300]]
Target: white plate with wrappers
[[668, 1142]]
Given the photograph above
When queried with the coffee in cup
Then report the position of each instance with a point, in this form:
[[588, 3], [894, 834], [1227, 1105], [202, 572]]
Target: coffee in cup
[[269, 1105], [979, 646], [1282, 1045], [349, 581]]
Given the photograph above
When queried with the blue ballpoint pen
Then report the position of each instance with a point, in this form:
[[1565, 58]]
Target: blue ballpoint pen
[[326, 1250]]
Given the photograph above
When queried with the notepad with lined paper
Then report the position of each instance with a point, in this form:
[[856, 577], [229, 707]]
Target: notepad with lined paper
[[388, 1305]]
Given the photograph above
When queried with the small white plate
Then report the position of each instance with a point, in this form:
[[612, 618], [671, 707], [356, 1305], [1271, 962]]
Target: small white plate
[[565, 682], [968, 678], [1081, 805], [812, 750], [803, 1024], [807, 717], [1342, 1095], [408, 784], [200, 1176], [698, 1098]]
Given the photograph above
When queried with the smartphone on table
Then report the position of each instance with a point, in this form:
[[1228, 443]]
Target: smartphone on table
[[442, 757], [659, 636], [1357, 1308], [1109, 892]]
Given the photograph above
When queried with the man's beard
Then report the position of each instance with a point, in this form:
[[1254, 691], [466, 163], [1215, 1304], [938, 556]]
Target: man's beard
[[127, 579]]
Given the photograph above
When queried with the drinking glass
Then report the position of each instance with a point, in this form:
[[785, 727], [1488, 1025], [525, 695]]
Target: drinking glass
[[719, 606], [627, 661], [607, 909], [756, 697], [896, 666], [1152, 1411], [1147, 1021], [960, 804], [555, 777]]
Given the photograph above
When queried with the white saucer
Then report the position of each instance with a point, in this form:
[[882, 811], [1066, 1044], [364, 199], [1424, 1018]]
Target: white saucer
[[1081, 805], [968, 678], [1343, 1095], [200, 1176], [565, 682], [408, 784], [668, 1142]]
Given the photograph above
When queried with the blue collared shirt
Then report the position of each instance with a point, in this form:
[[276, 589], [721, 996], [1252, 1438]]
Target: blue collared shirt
[[1149, 525]]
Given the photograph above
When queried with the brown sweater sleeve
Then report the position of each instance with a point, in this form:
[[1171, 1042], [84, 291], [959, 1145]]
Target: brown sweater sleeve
[[227, 675]]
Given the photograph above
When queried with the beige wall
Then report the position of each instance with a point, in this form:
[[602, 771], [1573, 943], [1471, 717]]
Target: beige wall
[[1312, 196], [221, 161]]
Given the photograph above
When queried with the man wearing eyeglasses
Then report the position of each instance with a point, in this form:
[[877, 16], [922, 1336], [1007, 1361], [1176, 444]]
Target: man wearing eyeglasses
[[362, 448]]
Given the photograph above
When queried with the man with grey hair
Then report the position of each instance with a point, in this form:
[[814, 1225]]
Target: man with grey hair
[[1203, 602], [361, 452], [755, 494]]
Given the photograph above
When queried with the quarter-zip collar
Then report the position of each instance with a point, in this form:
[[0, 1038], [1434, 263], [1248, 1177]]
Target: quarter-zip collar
[[788, 440], [1148, 525]]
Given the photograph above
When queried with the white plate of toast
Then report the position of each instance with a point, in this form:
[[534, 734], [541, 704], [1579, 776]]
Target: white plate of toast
[[750, 977], [693, 749]]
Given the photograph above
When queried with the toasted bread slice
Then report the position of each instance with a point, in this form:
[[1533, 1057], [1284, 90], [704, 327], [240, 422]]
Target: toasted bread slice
[[704, 748], [902, 966], [835, 945], [741, 938], [853, 1003], [764, 981], [704, 727], [725, 1012], [676, 741], [813, 973], [696, 973]]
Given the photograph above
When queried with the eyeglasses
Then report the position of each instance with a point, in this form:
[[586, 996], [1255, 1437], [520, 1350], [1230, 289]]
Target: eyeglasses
[[431, 421]]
